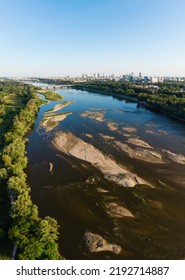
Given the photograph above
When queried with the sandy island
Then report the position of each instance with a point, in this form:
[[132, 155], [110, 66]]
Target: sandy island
[[112, 126], [52, 118], [148, 155], [96, 243], [177, 158], [89, 135], [74, 146], [49, 123], [58, 107], [139, 143], [106, 137], [98, 116], [117, 211], [143, 151]]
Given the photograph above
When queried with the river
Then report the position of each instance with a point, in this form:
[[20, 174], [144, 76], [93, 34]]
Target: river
[[83, 200]]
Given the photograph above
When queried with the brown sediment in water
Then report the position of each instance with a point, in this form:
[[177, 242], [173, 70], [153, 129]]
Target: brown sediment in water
[[98, 116], [89, 136], [177, 158], [106, 137], [156, 132], [112, 171], [116, 210], [139, 142], [143, 151], [129, 129], [148, 155], [112, 126], [96, 243]]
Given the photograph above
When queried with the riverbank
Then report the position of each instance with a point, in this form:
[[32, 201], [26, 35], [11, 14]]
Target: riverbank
[[119, 96], [144, 104], [25, 228], [132, 97], [50, 95]]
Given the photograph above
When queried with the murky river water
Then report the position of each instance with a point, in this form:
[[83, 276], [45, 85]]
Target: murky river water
[[79, 197]]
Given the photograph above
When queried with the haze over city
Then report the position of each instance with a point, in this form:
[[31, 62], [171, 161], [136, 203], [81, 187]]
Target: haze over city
[[71, 37]]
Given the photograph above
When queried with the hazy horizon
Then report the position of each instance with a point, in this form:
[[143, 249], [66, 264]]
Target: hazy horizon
[[71, 37]]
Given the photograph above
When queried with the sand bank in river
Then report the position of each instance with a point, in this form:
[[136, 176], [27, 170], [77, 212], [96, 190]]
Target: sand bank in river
[[74, 146], [112, 126], [89, 135], [138, 149], [178, 158], [106, 137], [96, 243], [139, 143], [49, 123], [129, 129], [52, 118], [98, 116], [148, 155], [117, 211], [143, 151], [58, 107]]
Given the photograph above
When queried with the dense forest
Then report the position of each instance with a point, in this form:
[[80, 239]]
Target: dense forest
[[20, 224], [54, 81], [168, 98]]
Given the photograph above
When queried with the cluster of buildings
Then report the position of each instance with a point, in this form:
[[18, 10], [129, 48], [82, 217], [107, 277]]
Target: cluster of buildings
[[127, 77], [130, 78], [97, 76]]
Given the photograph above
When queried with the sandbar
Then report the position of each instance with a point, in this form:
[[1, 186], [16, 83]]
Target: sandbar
[[112, 171], [148, 155], [49, 123], [98, 116], [112, 126], [139, 142], [58, 107], [117, 211]]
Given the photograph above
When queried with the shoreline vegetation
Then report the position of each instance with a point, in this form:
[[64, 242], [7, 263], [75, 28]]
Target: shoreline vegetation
[[50, 95], [34, 238], [165, 98]]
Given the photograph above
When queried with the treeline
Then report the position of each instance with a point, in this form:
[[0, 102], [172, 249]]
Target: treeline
[[169, 104], [54, 81], [15, 88], [107, 87], [166, 97], [13, 96], [36, 238]]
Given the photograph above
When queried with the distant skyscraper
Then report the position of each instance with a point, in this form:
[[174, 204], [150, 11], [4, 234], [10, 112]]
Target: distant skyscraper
[[140, 75]]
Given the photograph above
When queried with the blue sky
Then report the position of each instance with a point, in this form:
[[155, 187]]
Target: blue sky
[[71, 37]]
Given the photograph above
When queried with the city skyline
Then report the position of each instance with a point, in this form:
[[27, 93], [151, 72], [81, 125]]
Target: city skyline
[[59, 38]]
